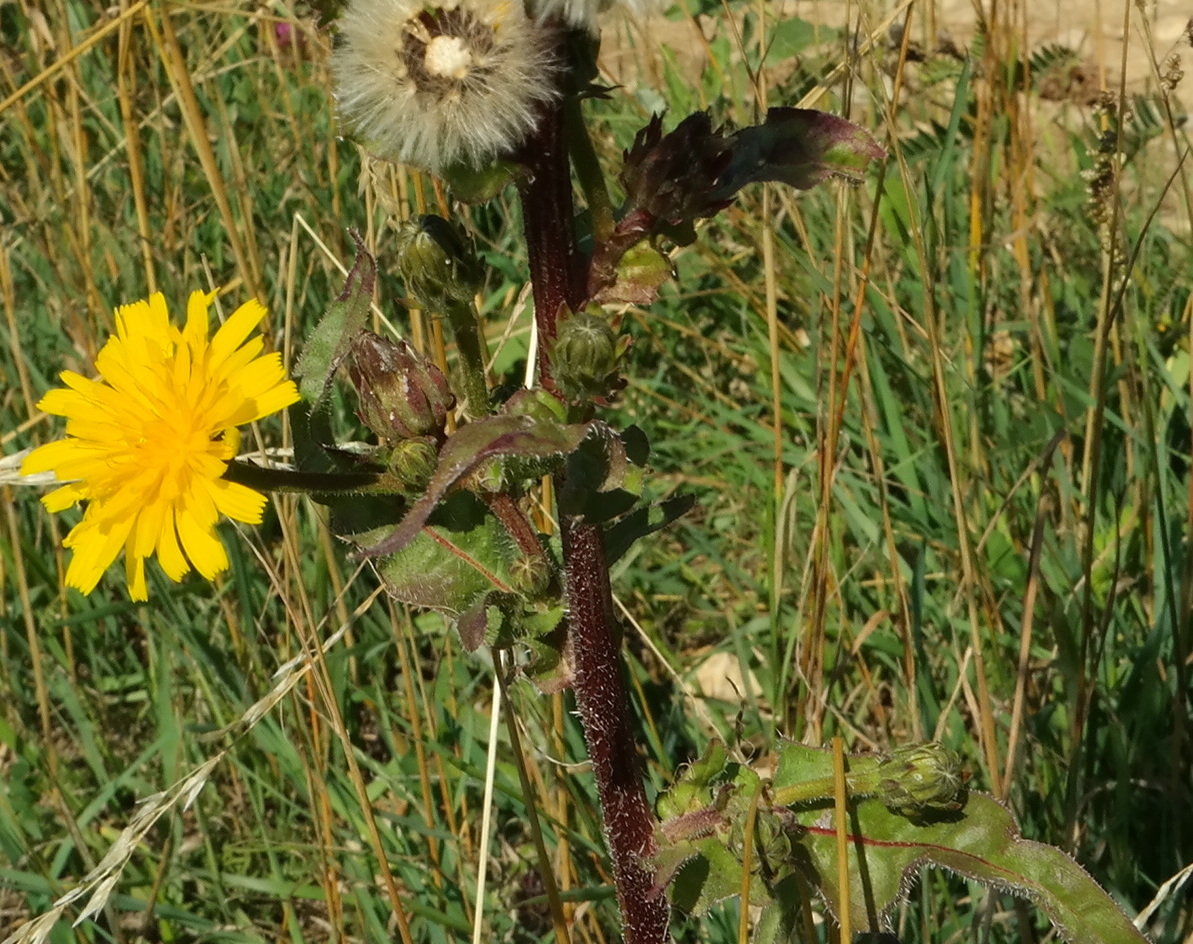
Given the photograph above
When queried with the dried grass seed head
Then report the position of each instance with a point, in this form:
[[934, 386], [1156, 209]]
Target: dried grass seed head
[[456, 81], [585, 14]]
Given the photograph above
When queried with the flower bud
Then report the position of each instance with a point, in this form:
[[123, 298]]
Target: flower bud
[[412, 463], [921, 777], [530, 575], [436, 263], [584, 359], [401, 394]]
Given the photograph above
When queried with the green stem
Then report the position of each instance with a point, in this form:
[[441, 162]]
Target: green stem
[[862, 780], [588, 172], [291, 480], [461, 319]]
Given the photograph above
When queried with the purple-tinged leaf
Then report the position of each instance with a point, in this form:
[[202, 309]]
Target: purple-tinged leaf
[[798, 147], [668, 178], [693, 172]]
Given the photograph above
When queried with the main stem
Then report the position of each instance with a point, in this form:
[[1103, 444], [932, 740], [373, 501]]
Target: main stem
[[559, 272], [603, 705]]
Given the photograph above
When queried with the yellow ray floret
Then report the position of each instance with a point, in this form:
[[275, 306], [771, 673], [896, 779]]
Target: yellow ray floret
[[147, 445]]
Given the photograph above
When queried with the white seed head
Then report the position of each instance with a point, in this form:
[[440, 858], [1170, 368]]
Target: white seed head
[[435, 84], [448, 57]]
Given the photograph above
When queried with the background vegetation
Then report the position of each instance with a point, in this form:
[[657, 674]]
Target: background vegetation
[[939, 427]]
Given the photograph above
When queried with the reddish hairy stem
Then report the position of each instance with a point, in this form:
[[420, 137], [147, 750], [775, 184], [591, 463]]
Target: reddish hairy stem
[[603, 705], [559, 273], [506, 510], [558, 270]]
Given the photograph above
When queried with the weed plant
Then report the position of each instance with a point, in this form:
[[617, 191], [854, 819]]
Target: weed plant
[[938, 427]]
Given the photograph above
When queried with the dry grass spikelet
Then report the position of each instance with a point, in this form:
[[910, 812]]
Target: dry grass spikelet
[[1171, 73], [585, 14], [97, 885]]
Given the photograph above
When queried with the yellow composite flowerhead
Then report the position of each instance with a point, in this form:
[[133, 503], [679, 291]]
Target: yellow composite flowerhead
[[147, 445]]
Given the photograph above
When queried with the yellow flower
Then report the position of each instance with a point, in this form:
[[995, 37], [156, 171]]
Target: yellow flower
[[147, 446]]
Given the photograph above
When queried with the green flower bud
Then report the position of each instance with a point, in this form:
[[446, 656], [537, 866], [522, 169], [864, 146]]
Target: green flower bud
[[437, 264], [585, 357], [530, 575], [401, 394], [413, 462], [921, 778]]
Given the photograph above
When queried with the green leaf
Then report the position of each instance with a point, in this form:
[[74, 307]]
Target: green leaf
[[691, 791], [980, 841], [639, 273], [328, 344], [276, 479], [709, 873], [326, 348], [601, 481], [462, 563], [476, 185], [781, 919], [700, 840], [644, 521], [451, 565], [701, 846], [792, 36]]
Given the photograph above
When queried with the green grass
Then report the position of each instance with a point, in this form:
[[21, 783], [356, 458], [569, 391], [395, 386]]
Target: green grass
[[982, 538]]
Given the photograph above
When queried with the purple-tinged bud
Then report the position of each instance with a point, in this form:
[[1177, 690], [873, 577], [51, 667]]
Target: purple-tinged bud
[[669, 178], [401, 394]]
